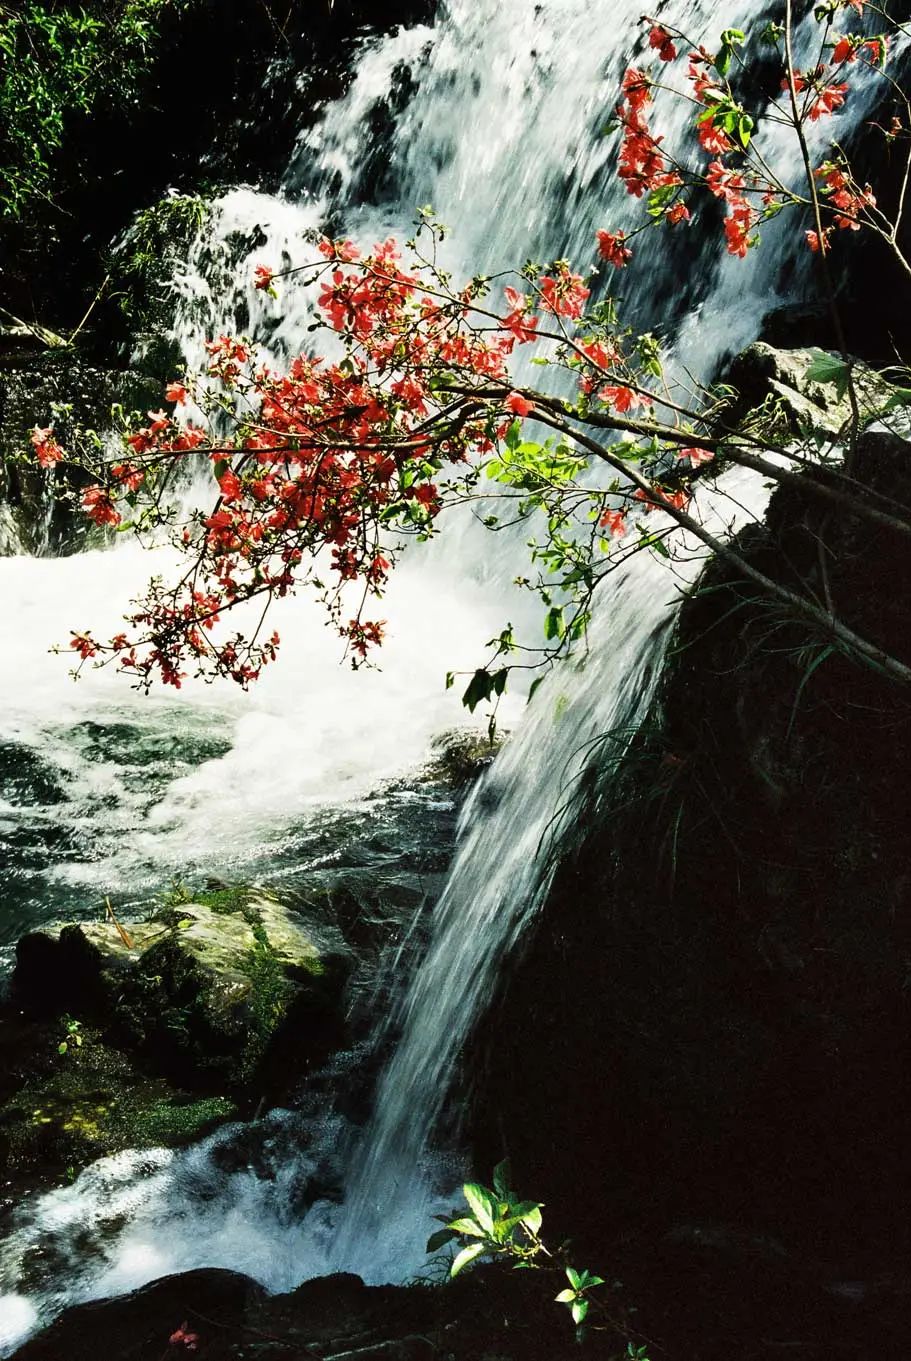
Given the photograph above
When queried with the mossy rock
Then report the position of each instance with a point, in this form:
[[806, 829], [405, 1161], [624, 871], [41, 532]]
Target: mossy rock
[[462, 755], [89, 1102], [230, 993]]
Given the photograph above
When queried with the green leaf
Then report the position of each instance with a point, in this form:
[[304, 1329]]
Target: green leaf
[[554, 623], [827, 368], [573, 1277], [501, 1174], [466, 1226], [533, 1220], [579, 1310], [450, 679], [466, 1257], [539, 680], [565, 1297], [480, 687], [900, 397], [61, 1048], [439, 1239], [482, 1203]]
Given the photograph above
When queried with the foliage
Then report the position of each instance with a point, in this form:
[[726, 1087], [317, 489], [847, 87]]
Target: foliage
[[323, 473], [60, 60], [500, 1225], [156, 236], [72, 1037]]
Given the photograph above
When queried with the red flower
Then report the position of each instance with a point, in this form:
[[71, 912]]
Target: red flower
[[517, 404], [83, 644], [182, 1338], [713, 140], [678, 212], [830, 98], [175, 392], [98, 506], [636, 88], [816, 244], [614, 522], [47, 450], [563, 294], [263, 276], [621, 398], [128, 477], [696, 456], [660, 39], [612, 248]]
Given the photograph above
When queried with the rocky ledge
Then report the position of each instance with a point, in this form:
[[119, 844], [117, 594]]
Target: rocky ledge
[[121, 1035]]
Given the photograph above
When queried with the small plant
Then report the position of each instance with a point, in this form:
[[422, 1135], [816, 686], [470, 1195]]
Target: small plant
[[500, 1225], [72, 1036]]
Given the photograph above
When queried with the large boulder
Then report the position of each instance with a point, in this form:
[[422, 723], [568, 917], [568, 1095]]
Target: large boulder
[[764, 371], [716, 993], [216, 994]]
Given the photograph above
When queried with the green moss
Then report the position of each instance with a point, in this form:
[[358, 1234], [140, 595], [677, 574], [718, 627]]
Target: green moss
[[173, 1122], [94, 1103], [270, 995]]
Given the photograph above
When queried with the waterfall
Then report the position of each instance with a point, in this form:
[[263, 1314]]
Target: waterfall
[[494, 114]]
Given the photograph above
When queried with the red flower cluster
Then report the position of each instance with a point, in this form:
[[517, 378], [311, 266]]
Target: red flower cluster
[[47, 450], [612, 248], [729, 186], [843, 197], [182, 1338], [661, 40], [563, 293]]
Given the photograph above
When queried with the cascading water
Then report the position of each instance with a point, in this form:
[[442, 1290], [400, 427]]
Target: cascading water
[[493, 114]]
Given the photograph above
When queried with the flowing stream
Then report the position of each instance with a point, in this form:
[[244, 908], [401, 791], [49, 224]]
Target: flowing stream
[[494, 114]]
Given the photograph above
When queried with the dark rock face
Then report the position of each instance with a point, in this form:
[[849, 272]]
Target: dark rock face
[[717, 994], [489, 1314]]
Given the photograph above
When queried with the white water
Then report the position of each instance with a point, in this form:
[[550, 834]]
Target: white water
[[501, 134]]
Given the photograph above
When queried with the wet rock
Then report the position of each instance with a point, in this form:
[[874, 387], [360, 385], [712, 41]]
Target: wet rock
[[62, 1110], [461, 756], [217, 994], [490, 1316], [763, 371]]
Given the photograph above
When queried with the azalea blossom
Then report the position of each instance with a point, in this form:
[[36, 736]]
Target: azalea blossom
[[696, 455], [613, 522], [517, 404], [660, 39], [612, 247], [47, 450], [182, 1338]]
